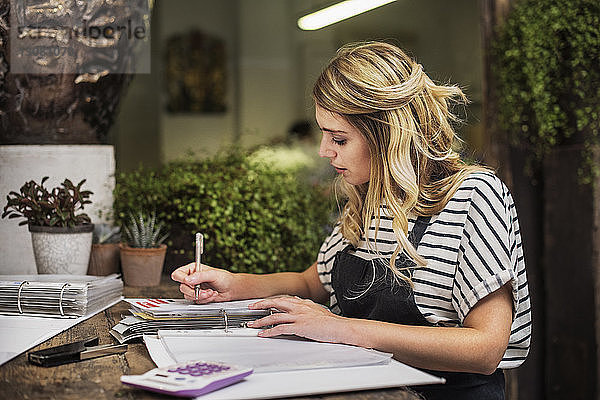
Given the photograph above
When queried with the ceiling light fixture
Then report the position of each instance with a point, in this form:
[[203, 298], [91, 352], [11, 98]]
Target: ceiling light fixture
[[338, 12]]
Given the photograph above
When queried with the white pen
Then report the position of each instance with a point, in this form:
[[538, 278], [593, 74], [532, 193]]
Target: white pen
[[198, 266]]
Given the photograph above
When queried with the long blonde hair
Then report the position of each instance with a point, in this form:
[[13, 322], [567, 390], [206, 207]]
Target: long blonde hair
[[406, 120]]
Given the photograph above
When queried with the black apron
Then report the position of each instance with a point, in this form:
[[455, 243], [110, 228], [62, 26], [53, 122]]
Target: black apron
[[367, 289]]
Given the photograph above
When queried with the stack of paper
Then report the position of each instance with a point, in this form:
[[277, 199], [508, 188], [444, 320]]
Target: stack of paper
[[180, 308], [67, 296], [152, 315]]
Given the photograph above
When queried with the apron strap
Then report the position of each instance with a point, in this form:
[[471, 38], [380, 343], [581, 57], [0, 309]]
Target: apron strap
[[418, 230], [348, 247], [414, 236]]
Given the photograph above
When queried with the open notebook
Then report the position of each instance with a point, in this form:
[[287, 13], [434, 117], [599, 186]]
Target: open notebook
[[285, 367]]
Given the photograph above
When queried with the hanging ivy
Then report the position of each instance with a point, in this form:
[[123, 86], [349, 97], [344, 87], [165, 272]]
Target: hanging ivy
[[548, 72]]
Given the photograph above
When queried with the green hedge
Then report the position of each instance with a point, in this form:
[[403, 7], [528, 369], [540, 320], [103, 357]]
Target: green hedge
[[547, 62], [254, 217]]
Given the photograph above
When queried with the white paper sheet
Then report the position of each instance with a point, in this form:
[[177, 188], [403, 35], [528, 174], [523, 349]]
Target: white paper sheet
[[275, 385], [269, 354], [20, 333]]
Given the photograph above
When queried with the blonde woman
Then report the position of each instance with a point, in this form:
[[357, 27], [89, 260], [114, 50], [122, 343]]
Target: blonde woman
[[425, 261]]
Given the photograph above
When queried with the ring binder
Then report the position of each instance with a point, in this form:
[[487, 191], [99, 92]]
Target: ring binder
[[60, 299], [225, 319], [19, 296], [57, 296]]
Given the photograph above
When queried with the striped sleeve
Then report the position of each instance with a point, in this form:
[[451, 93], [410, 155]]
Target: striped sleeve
[[484, 263], [489, 256], [325, 259]]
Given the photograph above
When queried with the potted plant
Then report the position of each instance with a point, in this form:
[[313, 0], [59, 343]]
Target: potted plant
[[143, 252], [61, 238], [104, 259]]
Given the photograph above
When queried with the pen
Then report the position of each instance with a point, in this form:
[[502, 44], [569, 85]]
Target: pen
[[198, 266]]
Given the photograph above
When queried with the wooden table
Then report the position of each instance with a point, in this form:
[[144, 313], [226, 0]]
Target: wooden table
[[99, 378]]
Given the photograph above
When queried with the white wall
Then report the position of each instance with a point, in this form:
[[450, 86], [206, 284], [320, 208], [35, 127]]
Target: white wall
[[272, 65], [203, 134], [267, 70], [19, 164]]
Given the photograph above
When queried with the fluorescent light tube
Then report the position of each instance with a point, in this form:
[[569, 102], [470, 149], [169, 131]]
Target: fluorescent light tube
[[338, 12]]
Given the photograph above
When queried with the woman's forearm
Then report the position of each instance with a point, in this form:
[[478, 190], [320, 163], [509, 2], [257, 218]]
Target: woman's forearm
[[436, 348], [478, 346], [302, 284], [254, 286]]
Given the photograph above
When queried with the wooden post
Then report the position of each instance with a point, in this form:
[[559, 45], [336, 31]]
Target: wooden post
[[527, 382], [493, 13], [571, 220]]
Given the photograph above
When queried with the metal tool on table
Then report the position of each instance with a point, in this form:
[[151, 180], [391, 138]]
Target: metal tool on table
[[74, 352]]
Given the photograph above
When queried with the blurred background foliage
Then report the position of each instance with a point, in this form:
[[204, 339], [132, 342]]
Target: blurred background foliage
[[255, 217], [548, 69]]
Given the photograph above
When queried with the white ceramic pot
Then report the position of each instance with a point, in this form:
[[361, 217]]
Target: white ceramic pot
[[59, 250]]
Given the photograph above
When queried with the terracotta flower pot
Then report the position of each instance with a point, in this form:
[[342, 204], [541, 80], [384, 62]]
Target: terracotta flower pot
[[60, 250], [104, 259], [142, 267]]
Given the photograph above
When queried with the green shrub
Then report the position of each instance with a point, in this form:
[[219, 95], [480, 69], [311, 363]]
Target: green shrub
[[547, 63], [254, 218]]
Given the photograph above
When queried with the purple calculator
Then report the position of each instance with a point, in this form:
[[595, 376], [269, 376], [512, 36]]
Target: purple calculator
[[189, 379]]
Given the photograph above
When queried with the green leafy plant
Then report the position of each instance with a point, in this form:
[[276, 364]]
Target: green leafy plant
[[254, 217], [42, 207], [143, 231], [547, 57]]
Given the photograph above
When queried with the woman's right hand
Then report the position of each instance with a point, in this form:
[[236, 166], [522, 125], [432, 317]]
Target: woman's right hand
[[217, 284]]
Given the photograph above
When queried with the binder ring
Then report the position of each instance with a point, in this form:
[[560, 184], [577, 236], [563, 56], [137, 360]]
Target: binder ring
[[19, 296], [62, 291], [225, 320]]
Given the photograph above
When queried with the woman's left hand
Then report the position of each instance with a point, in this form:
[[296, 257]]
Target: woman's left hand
[[300, 317]]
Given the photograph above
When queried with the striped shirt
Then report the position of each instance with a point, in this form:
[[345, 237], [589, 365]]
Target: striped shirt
[[472, 247]]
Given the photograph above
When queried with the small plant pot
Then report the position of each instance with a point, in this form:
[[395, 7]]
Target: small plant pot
[[59, 250], [104, 259], [142, 267]]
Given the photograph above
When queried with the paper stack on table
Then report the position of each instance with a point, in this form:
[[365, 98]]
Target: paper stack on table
[[151, 315], [65, 296]]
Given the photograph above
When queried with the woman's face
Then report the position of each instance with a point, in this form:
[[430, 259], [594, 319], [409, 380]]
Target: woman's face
[[344, 146]]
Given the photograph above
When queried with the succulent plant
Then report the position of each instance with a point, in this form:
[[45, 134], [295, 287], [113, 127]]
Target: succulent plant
[[42, 207], [143, 231]]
